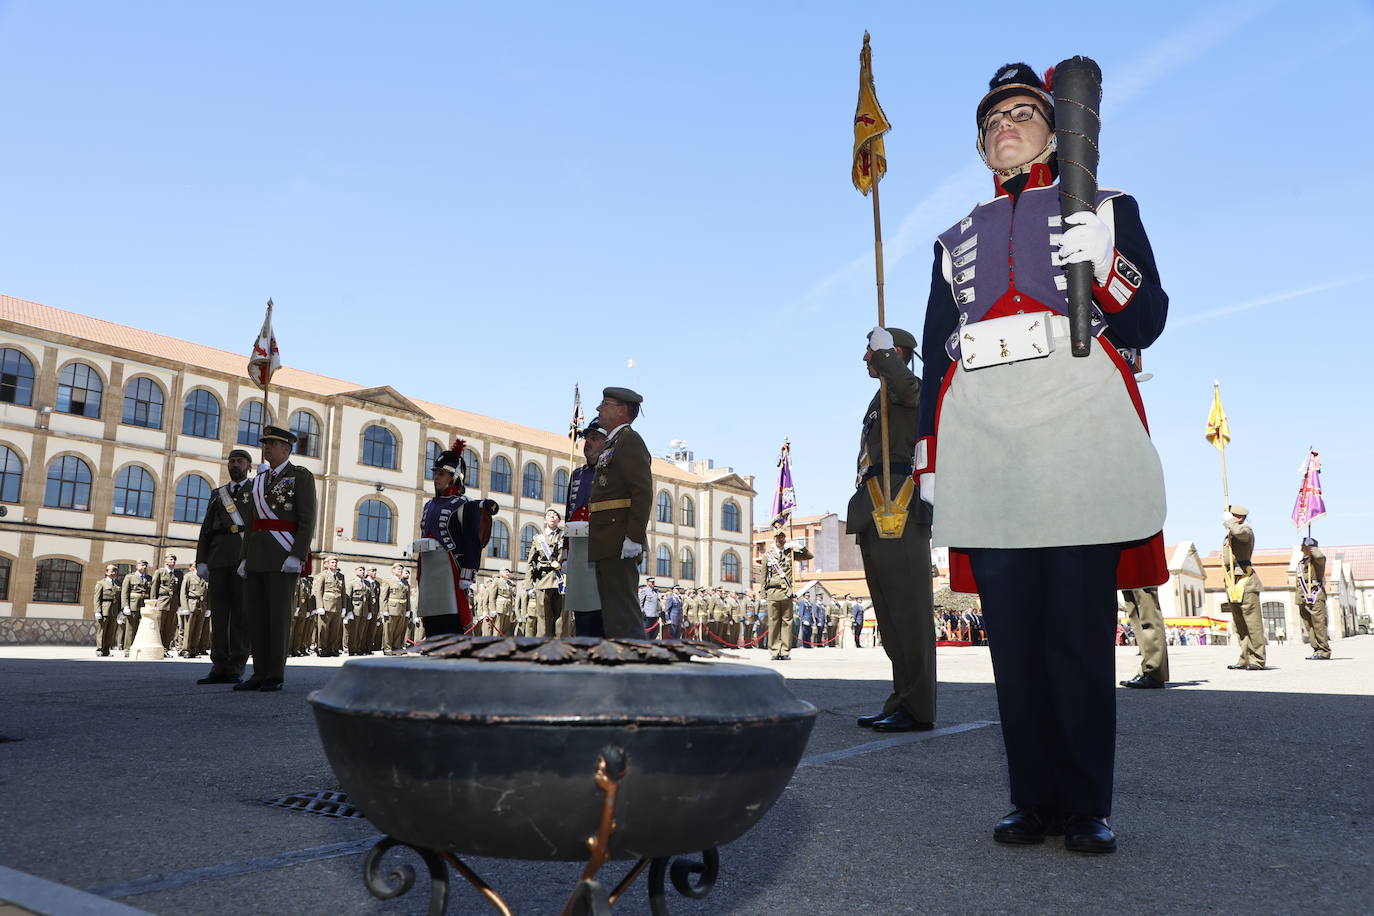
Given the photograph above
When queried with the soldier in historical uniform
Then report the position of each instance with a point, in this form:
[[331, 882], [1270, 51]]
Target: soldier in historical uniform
[[302, 618], [134, 591], [393, 597], [1310, 589], [776, 576], [331, 607], [194, 614], [1246, 620], [544, 574], [276, 549], [218, 551], [165, 599], [106, 601], [453, 532], [622, 498], [580, 597], [1142, 609]]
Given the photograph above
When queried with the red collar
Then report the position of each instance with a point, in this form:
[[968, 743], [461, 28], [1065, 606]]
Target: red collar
[[1040, 177]]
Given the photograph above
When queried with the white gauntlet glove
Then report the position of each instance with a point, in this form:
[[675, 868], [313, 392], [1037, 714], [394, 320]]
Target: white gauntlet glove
[[292, 565], [124, 613], [1090, 240], [880, 339], [927, 484], [629, 550], [424, 545]]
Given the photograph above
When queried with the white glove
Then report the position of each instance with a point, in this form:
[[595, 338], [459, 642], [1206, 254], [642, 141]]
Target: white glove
[[124, 613], [927, 484], [424, 545], [243, 569], [207, 614], [629, 550], [1089, 239], [880, 339], [1226, 516], [465, 578], [292, 565], [184, 612], [792, 545], [203, 570]]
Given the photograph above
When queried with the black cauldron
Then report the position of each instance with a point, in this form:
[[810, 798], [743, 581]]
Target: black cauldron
[[497, 758]]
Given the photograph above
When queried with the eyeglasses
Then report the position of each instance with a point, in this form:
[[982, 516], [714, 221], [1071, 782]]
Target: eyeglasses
[[1019, 114]]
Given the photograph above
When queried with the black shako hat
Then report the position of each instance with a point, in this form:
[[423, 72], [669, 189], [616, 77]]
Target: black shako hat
[[452, 461], [1016, 79]]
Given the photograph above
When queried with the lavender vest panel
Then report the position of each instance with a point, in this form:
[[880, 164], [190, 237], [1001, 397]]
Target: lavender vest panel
[[1031, 233]]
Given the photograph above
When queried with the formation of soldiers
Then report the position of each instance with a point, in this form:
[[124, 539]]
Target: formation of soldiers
[[335, 615], [177, 598]]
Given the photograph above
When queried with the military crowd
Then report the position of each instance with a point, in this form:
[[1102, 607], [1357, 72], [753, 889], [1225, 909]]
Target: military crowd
[[179, 598]]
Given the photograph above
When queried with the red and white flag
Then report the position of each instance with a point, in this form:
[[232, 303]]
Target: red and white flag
[[265, 360]]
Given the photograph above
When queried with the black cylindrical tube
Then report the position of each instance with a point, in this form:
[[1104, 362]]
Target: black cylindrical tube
[[1077, 125]]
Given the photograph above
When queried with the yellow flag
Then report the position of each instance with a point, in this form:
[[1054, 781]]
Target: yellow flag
[[870, 159], [1218, 428]]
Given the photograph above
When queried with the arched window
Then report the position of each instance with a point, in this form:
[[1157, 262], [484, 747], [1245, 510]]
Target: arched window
[[689, 512], [532, 484], [560, 487], [663, 565], [729, 516], [143, 403], [729, 567], [665, 507], [432, 452], [307, 430], [69, 484], [379, 447], [499, 545], [500, 474], [689, 565], [133, 492], [374, 522], [16, 378], [11, 475], [57, 581], [78, 390], [4, 578], [472, 477], [193, 498], [251, 423], [527, 536], [200, 417]]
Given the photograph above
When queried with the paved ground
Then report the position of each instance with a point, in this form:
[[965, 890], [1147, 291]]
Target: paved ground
[[1237, 792]]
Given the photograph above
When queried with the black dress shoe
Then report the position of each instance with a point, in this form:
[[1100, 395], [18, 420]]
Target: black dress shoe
[[250, 684], [1143, 682], [1083, 833], [217, 678], [870, 721], [1237, 667], [1254, 668], [902, 721], [270, 686], [1023, 827]]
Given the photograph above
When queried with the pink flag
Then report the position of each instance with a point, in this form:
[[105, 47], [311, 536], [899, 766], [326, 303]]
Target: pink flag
[[264, 360], [1309, 506]]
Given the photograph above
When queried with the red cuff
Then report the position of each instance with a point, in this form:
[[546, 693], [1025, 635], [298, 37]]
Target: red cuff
[[923, 462], [1122, 284]]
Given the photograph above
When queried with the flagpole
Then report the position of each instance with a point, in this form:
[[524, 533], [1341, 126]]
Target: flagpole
[[266, 410]]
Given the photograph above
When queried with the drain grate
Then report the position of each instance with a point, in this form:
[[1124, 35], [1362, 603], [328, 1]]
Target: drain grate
[[326, 802]]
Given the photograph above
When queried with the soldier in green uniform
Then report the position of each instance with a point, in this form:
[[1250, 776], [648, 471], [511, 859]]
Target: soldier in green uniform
[[1142, 607], [357, 614], [166, 598], [1310, 589], [106, 600], [544, 574], [275, 550], [622, 497], [374, 627], [133, 592], [394, 599], [776, 576], [503, 597], [897, 569], [218, 549], [1247, 623], [331, 600], [302, 619], [194, 614]]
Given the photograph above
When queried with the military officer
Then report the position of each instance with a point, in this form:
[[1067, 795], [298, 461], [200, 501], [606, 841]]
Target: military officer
[[358, 614], [580, 597], [106, 600], [544, 574], [133, 593], [1142, 609], [649, 601], [302, 618], [194, 613], [1310, 589], [331, 606], [672, 613], [275, 551], [394, 599], [166, 598], [453, 532], [896, 567], [778, 565], [622, 497], [503, 595], [217, 557], [1247, 622]]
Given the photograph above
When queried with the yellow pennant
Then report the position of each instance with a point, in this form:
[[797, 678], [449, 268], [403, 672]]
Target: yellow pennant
[[870, 158], [1218, 427]]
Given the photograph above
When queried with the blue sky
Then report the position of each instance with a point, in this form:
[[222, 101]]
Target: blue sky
[[482, 205]]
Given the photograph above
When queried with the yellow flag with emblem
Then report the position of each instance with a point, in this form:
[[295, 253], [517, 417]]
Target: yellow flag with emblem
[[870, 158], [1218, 427]]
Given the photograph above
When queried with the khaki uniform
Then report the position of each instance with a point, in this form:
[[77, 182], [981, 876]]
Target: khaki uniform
[[357, 617], [544, 576], [731, 617], [1247, 622], [1310, 590], [302, 621], [331, 604], [897, 569], [394, 600], [133, 593], [193, 632], [166, 598], [1142, 607], [107, 607], [776, 576], [622, 498], [502, 597]]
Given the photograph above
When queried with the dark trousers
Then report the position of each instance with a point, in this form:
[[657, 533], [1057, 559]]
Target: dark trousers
[[588, 623], [442, 625], [1050, 615], [268, 600], [229, 646], [898, 575], [616, 581]]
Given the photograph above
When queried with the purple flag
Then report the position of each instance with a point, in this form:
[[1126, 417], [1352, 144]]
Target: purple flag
[[1310, 505], [785, 500]]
